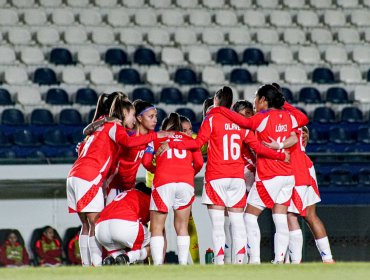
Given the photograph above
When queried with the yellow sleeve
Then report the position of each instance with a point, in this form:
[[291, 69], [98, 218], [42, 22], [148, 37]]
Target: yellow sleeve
[[149, 177], [204, 148]]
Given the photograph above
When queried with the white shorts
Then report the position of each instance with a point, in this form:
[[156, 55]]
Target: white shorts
[[227, 192], [176, 195], [312, 194], [298, 202], [85, 196], [111, 195], [249, 178], [267, 193], [116, 235]]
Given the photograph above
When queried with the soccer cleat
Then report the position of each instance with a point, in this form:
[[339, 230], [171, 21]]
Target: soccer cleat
[[277, 262], [329, 261], [109, 261], [122, 259]]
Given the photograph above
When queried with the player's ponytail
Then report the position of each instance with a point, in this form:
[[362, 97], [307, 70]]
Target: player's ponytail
[[119, 105], [273, 95], [172, 123], [105, 103], [225, 97]]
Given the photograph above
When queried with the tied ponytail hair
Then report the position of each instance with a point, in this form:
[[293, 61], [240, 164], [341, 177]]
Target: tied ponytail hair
[[273, 95], [105, 103], [119, 105], [172, 123], [225, 95]]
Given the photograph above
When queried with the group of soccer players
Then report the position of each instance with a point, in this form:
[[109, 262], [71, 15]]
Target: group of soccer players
[[254, 161]]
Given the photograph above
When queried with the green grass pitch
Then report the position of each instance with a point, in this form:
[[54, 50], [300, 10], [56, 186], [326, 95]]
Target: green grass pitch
[[309, 271]]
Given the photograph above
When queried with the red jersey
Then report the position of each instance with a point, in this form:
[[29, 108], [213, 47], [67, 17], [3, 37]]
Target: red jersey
[[100, 150], [175, 165], [131, 205], [249, 157], [298, 161], [224, 139], [277, 124]]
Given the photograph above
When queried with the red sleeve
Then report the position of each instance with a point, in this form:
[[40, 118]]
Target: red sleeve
[[121, 137], [147, 160], [71, 251], [57, 253], [301, 118], [261, 150], [194, 144], [3, 258], [26, 258], [40, 253], [249, 123], [197, 161]]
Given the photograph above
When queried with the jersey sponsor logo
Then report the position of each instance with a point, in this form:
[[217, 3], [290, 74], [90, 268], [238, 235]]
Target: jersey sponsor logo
[[231, 126], [176, 136], [281, 128]]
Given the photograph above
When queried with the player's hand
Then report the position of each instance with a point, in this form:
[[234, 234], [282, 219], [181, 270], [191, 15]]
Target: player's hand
[[272, 145], [163, 148], [161, 134], [287, 157]]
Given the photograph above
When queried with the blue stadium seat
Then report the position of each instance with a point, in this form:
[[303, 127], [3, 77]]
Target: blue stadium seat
[[129, 76], [254, 56], [55, 137], [337, 95], [363, 135], [309, 95], [5, 140], [352, 115], [318, 136], [70, 117], [241, 76], [56, 96], [341, 176], [143, 93], [116, 56], [171, 95], [86, 96], [288, 94], [7, 154], [36, 154], [12, 117], [368, 75], [5, 98], [340, 135], [324, 115], [145, 56], [90, 115], [322, 179], [364, 177], [61, 56], [187, 112], [185, 76], [227, 56], [197, 95], [41, 117], [25, 138], [45, 76], [323, 75], [161, 114], [76, 136]]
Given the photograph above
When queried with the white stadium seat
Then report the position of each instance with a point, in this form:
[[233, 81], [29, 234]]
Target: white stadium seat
[[226, 18], [267, 74], [271, 4], [281, 55], [213, 4], [159, 37], [50, 3], [350, 75], [158, 76], [254, 18], [200, 56], [47, 36], [19, 36], [7, 55], [280, 18], [185, 36], [32, 55], [267, 36], [200, 18], [360, 17], [62, 17], [103, 35], [187, 3], [131, 36], [347, 3], [145, 18], [90, 17], [118, 18], [160, 3], [213, 37], [334, 18], [35, 17], [16, 76], [321, 4], [78, 3], [172, 18], [88, 55], [28, 96], [106, 3], [295, 75], [8, 17], [321, 36], [294, 4], [336, 55], [367, 35], [241, 4], [133, 3], [294, 36], [361, 54], [309, 55], [75, 35], [362, 94], [239, 36], [73, 75], [348, 36], [172, 56], [213, 76], [307, 18], [23, 3], [101, 76]]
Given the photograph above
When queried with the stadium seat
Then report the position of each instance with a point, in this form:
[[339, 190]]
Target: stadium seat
[[318, 137], [90, 17], [267, 74], [145, 18], [240, 4], [50, 3], [19, 36], [254, 18], [267, 36], [280, 18], [47, 36], [61, 56], [197, 95], [281, 55], [239, 36], [171, 95], [77, 3], [106, 3], [213, 4], [226, 18], [307, 18], [187, 112], [161, 115], [76, 136], [199, 17], [240, 76], [145, 56], [28, 96], [200, 56], [172, 17], [360, 17], [324, 115], [309, 55], [62, 17], [23, 3], [133, 3], [321, 36], [118, 17], [213, 37], [45, 76], [294, 4], [361, 54], [129, 76], [158, 37], [16, 76], [253, 56], [350, 75], [339, 176], [352, 115], [75, 35], [101, 76], [295, 75], [88, 56], [7, 154], [185, 76], [323, 75], [294, 36], [5, 140], [41, 117], [213, 76], [69, 234], [321, 4], [362, 93], [143, 93], [7, 55], [363, 135], [340, 135], [348, 36], [12, 117], [5, 98], [32, 55], [288, 94], [337, 95], [103, 35], [268, 4], [116, 56], [130, 36], [172, 56], [8, 17], [364, 176], [334, 18], [336, 55], [86, 96], [35, 17], [25, 138], [309, 95], [90, 116], [347, 3], [73, 75], [185, 36], [55, 137], [227, 56], [70, 117], [156, 75], [56, 96]]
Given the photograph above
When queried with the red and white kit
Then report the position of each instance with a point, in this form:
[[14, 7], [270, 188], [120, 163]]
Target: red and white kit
[[173, 184], [224, 177], [123, 176], [122, 223], [274, 179], [85, 179]]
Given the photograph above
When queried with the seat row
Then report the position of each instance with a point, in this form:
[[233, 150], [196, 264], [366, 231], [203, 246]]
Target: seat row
[[342, 176]]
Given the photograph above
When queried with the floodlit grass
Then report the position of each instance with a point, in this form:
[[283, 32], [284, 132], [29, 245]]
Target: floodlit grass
[[310, 271]]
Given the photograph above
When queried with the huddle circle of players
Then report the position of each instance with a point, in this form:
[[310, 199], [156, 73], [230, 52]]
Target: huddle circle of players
[[255, 161]]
